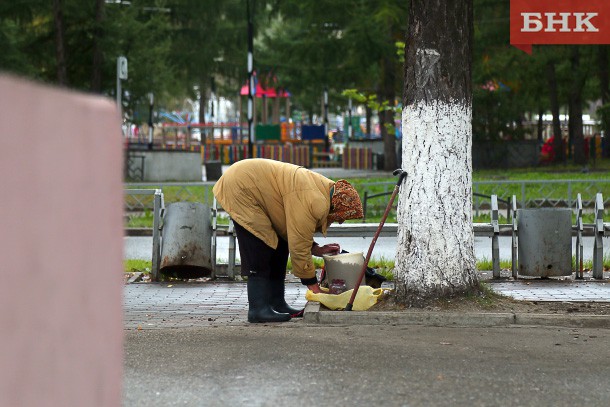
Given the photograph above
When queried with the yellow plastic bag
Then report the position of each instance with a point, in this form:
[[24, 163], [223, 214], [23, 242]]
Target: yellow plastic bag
[[365, 298]]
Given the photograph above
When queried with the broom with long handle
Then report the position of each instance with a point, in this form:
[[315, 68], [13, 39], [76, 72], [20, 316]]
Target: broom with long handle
[[401, 176]]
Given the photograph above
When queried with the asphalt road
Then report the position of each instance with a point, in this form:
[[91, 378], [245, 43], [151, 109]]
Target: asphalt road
[[385, 247], [295, 364]]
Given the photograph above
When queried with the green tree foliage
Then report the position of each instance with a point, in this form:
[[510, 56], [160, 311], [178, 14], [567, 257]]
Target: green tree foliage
[[26, 39], [304, 49], [499, 95], [137, 29], [338, 44], [145, 42], [510, 87], [177, 46], [209, 44]]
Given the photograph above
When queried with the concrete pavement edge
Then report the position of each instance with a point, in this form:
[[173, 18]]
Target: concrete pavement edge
[[314, 315]]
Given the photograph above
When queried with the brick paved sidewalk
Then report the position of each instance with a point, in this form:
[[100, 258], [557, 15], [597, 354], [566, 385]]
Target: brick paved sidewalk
[[555, 290], [181, 305]]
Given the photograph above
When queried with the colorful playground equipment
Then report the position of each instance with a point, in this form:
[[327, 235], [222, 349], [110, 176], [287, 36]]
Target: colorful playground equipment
[[288, 142], [276, 135]]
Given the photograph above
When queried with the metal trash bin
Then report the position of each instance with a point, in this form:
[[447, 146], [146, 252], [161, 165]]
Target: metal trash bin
[[213, 170], [545, 242], [186, 246], [378, 161]]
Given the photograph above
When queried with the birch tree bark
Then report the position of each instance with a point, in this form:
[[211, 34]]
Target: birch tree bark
[[435, 255]]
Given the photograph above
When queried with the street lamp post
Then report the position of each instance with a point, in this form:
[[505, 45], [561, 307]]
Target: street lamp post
[[250, 80], [349, 118], [121, 74], [326, 139], [325, 110]]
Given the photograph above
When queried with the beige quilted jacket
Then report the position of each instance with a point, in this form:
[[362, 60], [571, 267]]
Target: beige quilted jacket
[[271, 198]]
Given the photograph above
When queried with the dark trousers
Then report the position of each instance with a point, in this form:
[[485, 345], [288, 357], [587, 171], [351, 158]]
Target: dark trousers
[[259, 259]]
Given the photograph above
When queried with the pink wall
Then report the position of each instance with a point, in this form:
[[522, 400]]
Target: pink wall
[[60, 248]]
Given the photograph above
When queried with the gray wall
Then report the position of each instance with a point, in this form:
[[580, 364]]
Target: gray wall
[[505, 154], [167, 166], [485, 154]]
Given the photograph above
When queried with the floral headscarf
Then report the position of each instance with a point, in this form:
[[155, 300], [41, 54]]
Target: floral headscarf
[[345, 203]]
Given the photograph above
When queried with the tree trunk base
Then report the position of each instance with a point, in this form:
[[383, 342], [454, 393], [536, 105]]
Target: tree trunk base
[[414, 297]]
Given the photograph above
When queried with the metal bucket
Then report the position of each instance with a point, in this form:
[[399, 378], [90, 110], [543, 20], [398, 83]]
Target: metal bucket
[[186, 241], [344, 266], [545, 242], [213, 170]]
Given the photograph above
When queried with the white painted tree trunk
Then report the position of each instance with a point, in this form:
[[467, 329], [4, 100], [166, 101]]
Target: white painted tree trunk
[[435, 255]]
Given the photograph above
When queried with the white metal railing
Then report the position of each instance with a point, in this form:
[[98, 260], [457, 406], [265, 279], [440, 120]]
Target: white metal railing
[[158, 213], [493, 230]]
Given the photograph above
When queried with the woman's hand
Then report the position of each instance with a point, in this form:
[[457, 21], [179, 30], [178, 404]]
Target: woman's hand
[[331, 248], [315, 288]]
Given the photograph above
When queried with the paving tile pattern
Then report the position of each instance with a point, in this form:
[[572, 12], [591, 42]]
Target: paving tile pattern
[[181, 305], [170, 305], [555, 290]]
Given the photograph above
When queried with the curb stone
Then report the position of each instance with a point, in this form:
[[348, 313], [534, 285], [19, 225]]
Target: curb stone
[[569, 321], [313, 315], [136, 277]]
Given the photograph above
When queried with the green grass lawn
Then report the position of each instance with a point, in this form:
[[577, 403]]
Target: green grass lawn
[[136, 265], [383, 266], [601, 171]]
